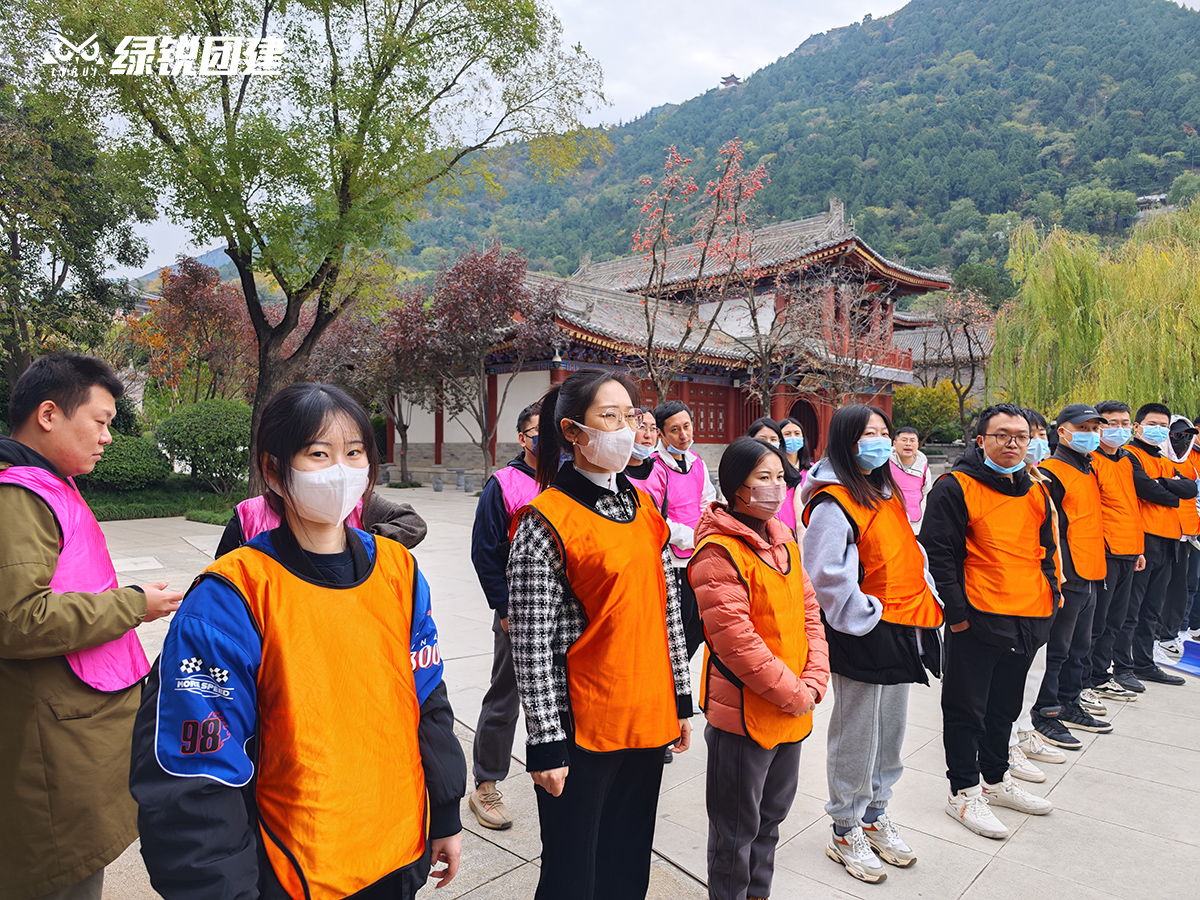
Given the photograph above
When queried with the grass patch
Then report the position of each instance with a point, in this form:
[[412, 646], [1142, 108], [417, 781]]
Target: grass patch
[[209, 516], [403, 484], [177, 496]]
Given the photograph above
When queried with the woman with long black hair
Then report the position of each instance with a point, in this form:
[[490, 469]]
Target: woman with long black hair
[[766, 429], [881, 614], [598, 645]]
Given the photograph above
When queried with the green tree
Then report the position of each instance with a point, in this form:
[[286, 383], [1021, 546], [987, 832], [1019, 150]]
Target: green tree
[[1184, 188], [933, 411], [66, 208], [310, 175]]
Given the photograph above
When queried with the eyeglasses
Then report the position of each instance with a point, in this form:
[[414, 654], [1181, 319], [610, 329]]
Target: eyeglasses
[[652, 429], [530, 432], [614, 419], [1011, 440]]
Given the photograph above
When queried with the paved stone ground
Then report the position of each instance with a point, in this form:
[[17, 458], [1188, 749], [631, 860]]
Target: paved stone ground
[[1115, 831]]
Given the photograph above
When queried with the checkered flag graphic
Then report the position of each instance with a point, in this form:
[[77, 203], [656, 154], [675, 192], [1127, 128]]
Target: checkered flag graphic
[[220, 676], [191, 665]]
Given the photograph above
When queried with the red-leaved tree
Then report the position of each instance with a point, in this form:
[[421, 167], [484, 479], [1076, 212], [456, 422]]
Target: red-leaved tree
[[480, 313], [718, 263], [198, 335]]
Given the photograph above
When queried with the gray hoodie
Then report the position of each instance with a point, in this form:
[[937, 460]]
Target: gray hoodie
[[831, 560]]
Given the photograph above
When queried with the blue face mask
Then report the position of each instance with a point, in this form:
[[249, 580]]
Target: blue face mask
[[995, 467], [1155, 434], [1039, 449], [641, 452], [793, 444], [533, 445], [1115, 437], [873, 452], [1085, 441]]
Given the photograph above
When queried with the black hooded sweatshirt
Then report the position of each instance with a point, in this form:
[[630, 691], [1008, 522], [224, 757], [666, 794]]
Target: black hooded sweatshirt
[[944, 537]]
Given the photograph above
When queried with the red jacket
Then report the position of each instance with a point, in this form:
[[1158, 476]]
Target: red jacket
[[724, 607]]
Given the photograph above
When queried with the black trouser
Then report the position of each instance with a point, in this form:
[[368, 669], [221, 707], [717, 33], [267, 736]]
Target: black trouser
[[1068, 646], [693, 628], [597, 834], [499, 714], [1112, 604], [1133, 650], [1192, 620], [1175, 605], [982, 689], [748, 792]]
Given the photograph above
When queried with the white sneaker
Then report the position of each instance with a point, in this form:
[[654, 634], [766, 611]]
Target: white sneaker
[[1194, 634], [1034, 747], [970, 808], [1171, 648], [1091, 704], [885, 840], [1021, 767], [1011, 795], [854, 852]]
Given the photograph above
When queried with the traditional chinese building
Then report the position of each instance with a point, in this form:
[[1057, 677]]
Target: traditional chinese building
[[602, 322]]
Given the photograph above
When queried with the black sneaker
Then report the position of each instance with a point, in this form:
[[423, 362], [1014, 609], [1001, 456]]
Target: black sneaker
[[1158, 676], [1074, 716], [668, 757], [1130, 683], [1054, 731]]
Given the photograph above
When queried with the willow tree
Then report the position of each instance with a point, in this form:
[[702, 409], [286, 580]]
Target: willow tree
[[335, 124], [1090, 324]]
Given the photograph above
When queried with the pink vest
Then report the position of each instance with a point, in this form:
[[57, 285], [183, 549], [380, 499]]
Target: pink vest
[[787, 512], [255, 517], [517, 487], [84, 566], [679, 497], [910, 489]]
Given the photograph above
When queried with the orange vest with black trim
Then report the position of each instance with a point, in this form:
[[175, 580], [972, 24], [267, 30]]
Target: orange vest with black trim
[[1003, 569], [1162, 521], [1119, 512], [1085, 518], [619, 675], [339, 784], [1189, 515], [777, 614], [891, 565]]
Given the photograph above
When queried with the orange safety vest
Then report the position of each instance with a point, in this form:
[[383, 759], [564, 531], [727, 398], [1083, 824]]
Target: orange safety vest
[[619, 674], [1189, 515], [891, 565], [1119, 511], [1085, 518], [1162, 521], [777, 614], [339, 787], [1002, 573]]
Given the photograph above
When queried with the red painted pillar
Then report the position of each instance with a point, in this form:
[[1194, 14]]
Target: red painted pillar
[[558, 376], [492, 391], [885, 403], [780, 402], [685, 392], [438, 430], [731, 416]]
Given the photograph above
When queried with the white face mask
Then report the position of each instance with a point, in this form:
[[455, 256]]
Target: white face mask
[[607, 450], [328, 495]]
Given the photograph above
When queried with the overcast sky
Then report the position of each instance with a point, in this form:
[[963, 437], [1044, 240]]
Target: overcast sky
[[652, 52]]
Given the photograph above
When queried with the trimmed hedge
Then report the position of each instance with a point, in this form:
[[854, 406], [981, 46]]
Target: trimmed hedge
[[128, 464], [176, 497], [208, 516], [213, 438]]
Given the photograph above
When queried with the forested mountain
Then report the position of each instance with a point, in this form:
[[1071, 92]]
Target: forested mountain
[[940, 126]]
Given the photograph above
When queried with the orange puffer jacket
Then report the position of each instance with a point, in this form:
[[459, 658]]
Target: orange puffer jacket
[[725, 608]]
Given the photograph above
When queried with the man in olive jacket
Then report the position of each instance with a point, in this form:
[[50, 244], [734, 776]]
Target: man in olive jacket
[[65, 807]]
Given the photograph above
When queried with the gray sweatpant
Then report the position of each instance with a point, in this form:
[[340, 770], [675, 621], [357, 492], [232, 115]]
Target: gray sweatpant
[[866, 730], [749, 791], [498, 717]]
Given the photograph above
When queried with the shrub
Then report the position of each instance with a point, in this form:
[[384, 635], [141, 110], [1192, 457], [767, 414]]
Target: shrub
[[212, 438], [933, 411], [209, 516], [126, 420], [128, 464]]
